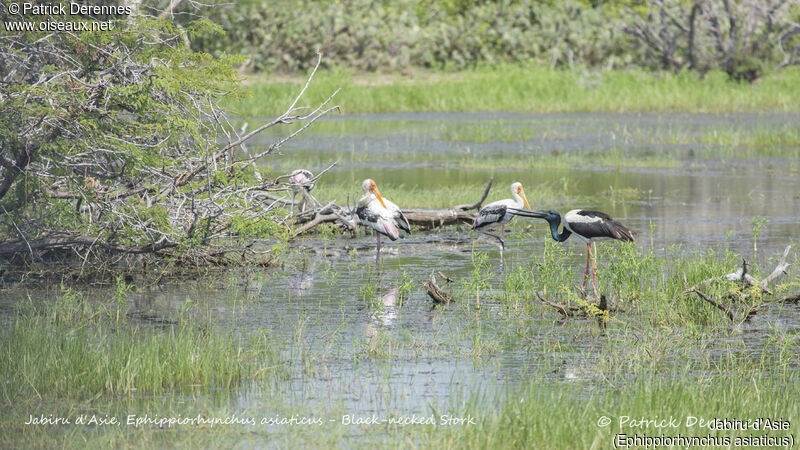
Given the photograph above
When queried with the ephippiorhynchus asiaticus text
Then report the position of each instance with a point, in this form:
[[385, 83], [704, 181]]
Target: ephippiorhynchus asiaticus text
[[587, 225], [381, 215], [497, 213]]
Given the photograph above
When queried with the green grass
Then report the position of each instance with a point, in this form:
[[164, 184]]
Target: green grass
[[609, 158], [564, 417], [76, 355], [531, 89], [76, 348]]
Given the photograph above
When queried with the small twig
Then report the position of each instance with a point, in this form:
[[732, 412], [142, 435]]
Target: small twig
[[710, 300], [562, 309], [477, 204], [445, 277]]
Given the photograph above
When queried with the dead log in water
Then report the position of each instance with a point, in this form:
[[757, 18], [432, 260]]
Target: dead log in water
[[423, 218], [432, 218]]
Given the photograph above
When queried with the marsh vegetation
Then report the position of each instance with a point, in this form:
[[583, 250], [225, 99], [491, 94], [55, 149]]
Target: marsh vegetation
[[158, 288], [529, 88], [326, 335]]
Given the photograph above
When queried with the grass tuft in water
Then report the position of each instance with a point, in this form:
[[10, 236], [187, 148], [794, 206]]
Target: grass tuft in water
[[76, 348]]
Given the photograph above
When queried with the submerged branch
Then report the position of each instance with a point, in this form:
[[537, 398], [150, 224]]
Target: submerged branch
[[702, 295], [592, 307], [747, 281], [745, 278], [564, 310], [435, 292]]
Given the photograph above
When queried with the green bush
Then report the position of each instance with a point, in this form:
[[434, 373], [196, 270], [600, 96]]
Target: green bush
[[373, 35]]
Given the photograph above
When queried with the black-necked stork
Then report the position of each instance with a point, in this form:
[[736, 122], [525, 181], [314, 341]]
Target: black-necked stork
[[301, 179], [589, 226], [497, 213], [381, 215]]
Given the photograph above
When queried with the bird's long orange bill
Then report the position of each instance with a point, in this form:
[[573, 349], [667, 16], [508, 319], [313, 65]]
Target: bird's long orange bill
[[380, 199], [525, 199]]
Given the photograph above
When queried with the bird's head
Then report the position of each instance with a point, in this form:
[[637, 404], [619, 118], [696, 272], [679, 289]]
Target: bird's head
[[370, 187], [300, 176], [517, 191], [553, 217]]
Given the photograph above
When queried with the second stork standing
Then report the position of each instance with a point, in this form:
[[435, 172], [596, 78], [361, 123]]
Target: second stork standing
[[587, 225], [498, 213], [381, 215]]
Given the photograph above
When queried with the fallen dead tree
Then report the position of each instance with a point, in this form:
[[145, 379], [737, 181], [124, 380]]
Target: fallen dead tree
[[432, 218], [733, 303], [344, 216]]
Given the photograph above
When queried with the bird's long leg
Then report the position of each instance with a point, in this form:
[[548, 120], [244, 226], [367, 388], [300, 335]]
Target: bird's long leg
[[314, 201], [588, 256], [378, 250], [502, 247], [594, 276], [499, 239]]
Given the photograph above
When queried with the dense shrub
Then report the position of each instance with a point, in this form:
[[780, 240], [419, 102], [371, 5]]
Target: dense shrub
[[742, 38], [383, 35]]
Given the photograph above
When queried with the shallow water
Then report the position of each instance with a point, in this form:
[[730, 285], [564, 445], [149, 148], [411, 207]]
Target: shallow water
[[349, 343], [690, 193]]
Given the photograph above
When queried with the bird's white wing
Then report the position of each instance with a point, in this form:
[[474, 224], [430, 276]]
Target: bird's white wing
[[380, 219], [397, 216], [494, 213]]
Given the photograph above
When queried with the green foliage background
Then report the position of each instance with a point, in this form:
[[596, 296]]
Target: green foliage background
[[393, 35], [283, 35]]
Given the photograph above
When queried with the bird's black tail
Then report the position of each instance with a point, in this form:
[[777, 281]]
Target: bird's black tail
[[622, 232]]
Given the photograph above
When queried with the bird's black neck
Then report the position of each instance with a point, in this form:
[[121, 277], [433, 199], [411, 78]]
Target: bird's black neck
[[554, 230]]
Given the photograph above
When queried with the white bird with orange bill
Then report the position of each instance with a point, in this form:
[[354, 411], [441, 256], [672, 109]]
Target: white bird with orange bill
[[381, 215], [497, 213]]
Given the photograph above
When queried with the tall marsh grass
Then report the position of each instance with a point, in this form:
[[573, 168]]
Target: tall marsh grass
[[542, 416], [529, 88], [72, 347]]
